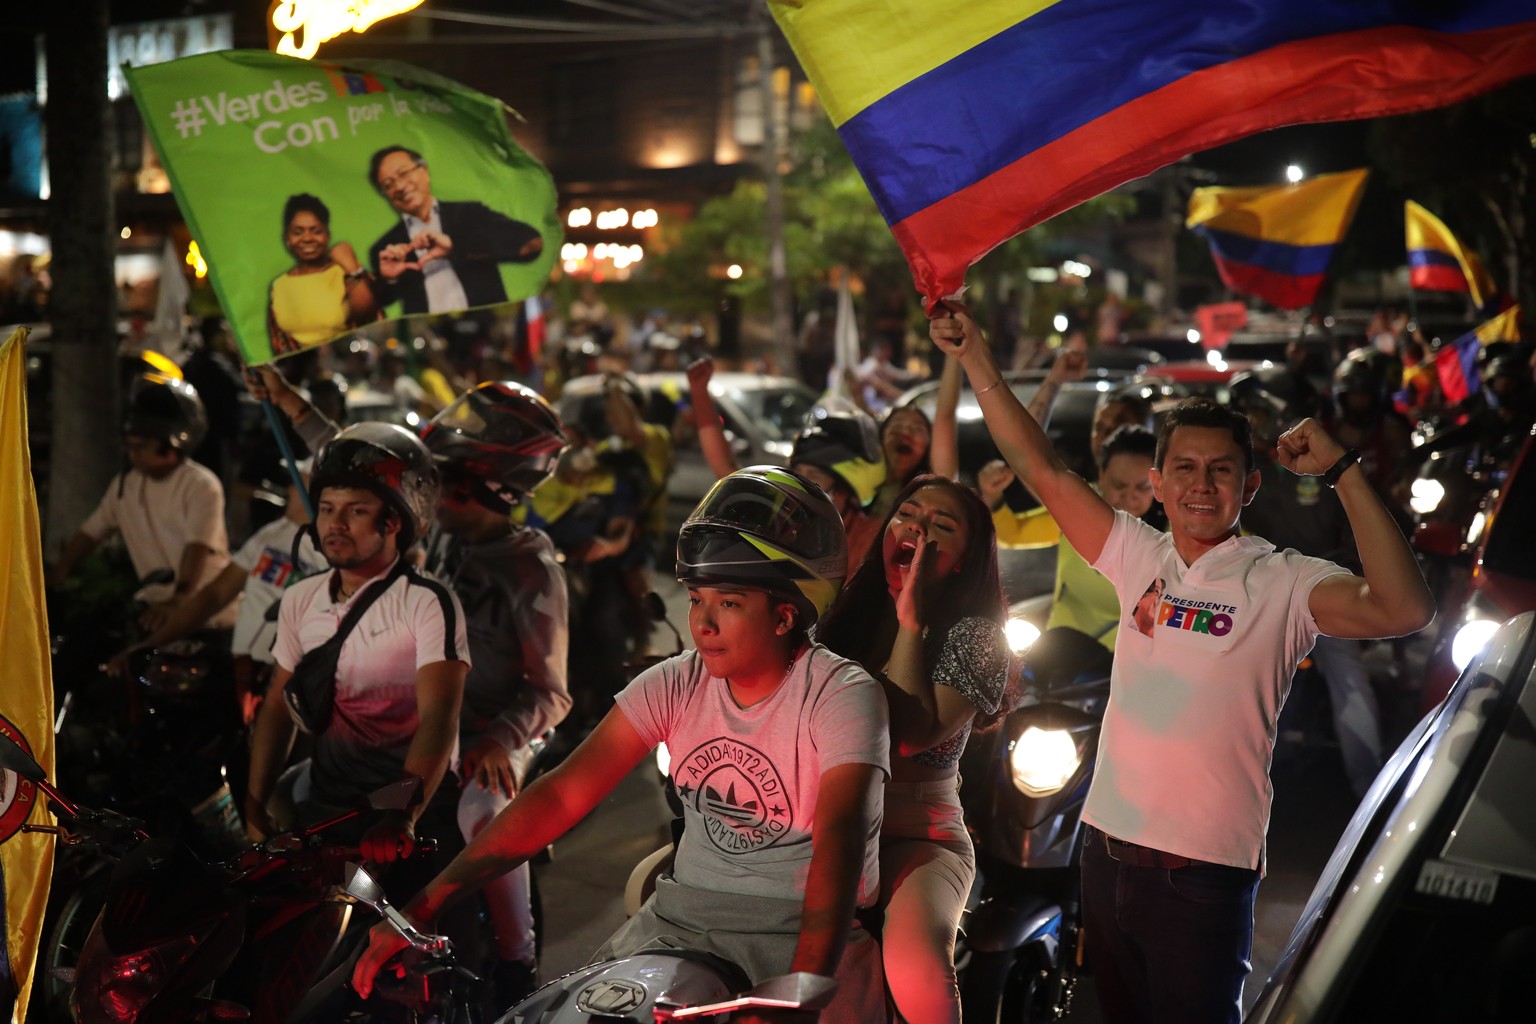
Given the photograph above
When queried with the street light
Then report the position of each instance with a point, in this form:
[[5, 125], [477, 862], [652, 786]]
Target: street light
[[1293, 173]]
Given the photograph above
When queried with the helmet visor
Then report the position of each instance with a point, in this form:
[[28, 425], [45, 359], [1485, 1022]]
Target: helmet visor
[[773, 512]]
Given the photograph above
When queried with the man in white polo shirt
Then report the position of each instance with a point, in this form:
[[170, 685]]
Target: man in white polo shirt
[[393, 710], [1180, 798]]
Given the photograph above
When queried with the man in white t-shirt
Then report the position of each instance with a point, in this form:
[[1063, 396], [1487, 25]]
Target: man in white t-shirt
[[256, 577], [168, 509], [1180, 798]]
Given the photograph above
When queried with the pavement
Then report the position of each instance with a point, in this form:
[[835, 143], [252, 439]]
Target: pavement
[[582, 888]]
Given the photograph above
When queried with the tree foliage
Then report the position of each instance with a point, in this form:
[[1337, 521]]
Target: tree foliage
[[1471, 164], [831, 222]]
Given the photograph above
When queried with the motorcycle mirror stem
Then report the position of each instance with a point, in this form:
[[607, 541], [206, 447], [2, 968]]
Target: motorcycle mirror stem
[[15, 759], [798, 991], [396, 796], [657, 610], [363, 887]]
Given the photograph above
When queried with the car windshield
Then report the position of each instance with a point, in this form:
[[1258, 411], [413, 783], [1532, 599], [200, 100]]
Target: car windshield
[[1510, 551], [778, 412]]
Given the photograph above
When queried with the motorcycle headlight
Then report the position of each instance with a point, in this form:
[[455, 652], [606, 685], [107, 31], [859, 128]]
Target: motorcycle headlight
[[1020, 633], [1426, 496], [1043, 760], [1470, 640]]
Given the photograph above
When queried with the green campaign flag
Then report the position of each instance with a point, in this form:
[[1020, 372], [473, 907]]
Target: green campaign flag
[[326, 196]]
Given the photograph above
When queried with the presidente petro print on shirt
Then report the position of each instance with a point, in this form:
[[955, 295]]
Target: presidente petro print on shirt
[[1159, 610]]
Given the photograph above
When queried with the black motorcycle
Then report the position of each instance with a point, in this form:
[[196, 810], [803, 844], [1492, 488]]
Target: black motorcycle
[[1020, 950], [180, 938]]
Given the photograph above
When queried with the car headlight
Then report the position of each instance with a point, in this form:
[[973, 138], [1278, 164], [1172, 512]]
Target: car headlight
[[1470, 640], [1043, 760], [1475, 529], [1020, 633], [1426, 495]]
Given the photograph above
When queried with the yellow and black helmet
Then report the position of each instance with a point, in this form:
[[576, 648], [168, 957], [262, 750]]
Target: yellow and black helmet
[[770, 529], [845, 443]]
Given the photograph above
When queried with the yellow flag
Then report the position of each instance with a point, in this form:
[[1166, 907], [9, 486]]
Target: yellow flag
[[1504, 327], [26, 697]]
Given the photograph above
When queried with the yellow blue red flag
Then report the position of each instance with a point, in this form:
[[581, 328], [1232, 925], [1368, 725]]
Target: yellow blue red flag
[[26, 698], [971, 122], [1437, 261], [1276, 241], [1456, 364]]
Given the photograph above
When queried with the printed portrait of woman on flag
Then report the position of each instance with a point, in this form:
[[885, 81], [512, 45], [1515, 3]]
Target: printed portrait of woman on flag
[[326, 291]]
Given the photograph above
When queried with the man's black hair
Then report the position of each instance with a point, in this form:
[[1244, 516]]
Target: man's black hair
[[305, 203], [378, 158], [1128, 439], [1202, 412]]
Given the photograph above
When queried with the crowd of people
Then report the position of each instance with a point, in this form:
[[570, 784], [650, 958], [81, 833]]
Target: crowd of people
[[447, 594]]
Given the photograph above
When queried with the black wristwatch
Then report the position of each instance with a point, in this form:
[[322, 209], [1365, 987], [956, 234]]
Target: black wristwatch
[[1349, 458]]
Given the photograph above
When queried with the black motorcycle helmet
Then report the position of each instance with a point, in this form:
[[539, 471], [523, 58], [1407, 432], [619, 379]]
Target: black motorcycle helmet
[[166, 409], [1361, 373], [503, 437], [845, 443], [770, 529], [388, 460], [1267, 396]]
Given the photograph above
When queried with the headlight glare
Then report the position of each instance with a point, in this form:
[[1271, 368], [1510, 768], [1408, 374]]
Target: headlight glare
[[1470, 640], [1426, 495], [1021, 633], [1043, 760]]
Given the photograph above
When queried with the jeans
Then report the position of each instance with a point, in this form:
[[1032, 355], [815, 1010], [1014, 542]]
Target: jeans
[[507, 897], [1166, 945]]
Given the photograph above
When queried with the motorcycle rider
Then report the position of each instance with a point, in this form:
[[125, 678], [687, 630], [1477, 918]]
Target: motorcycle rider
[[775, 741], [494, 444], [1180, 798], [588, 508], [266, 564], [1363, 418], [399, 677], [168, 509], [838, 451]]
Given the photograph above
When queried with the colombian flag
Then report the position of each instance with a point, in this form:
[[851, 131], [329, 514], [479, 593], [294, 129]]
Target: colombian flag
[[972, 121], [26, 698], [1438, 262], [1276, 242], [1456, 363]]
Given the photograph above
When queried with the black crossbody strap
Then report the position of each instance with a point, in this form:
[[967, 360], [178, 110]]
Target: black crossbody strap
[[370, 594]]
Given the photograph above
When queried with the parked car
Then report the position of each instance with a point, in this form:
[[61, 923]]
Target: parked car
[[1174, 346], [1427, 908], [1069, 426], [1502, 579], [762, 416]]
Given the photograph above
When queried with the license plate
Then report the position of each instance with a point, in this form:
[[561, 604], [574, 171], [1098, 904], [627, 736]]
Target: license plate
[[1457, 882]]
